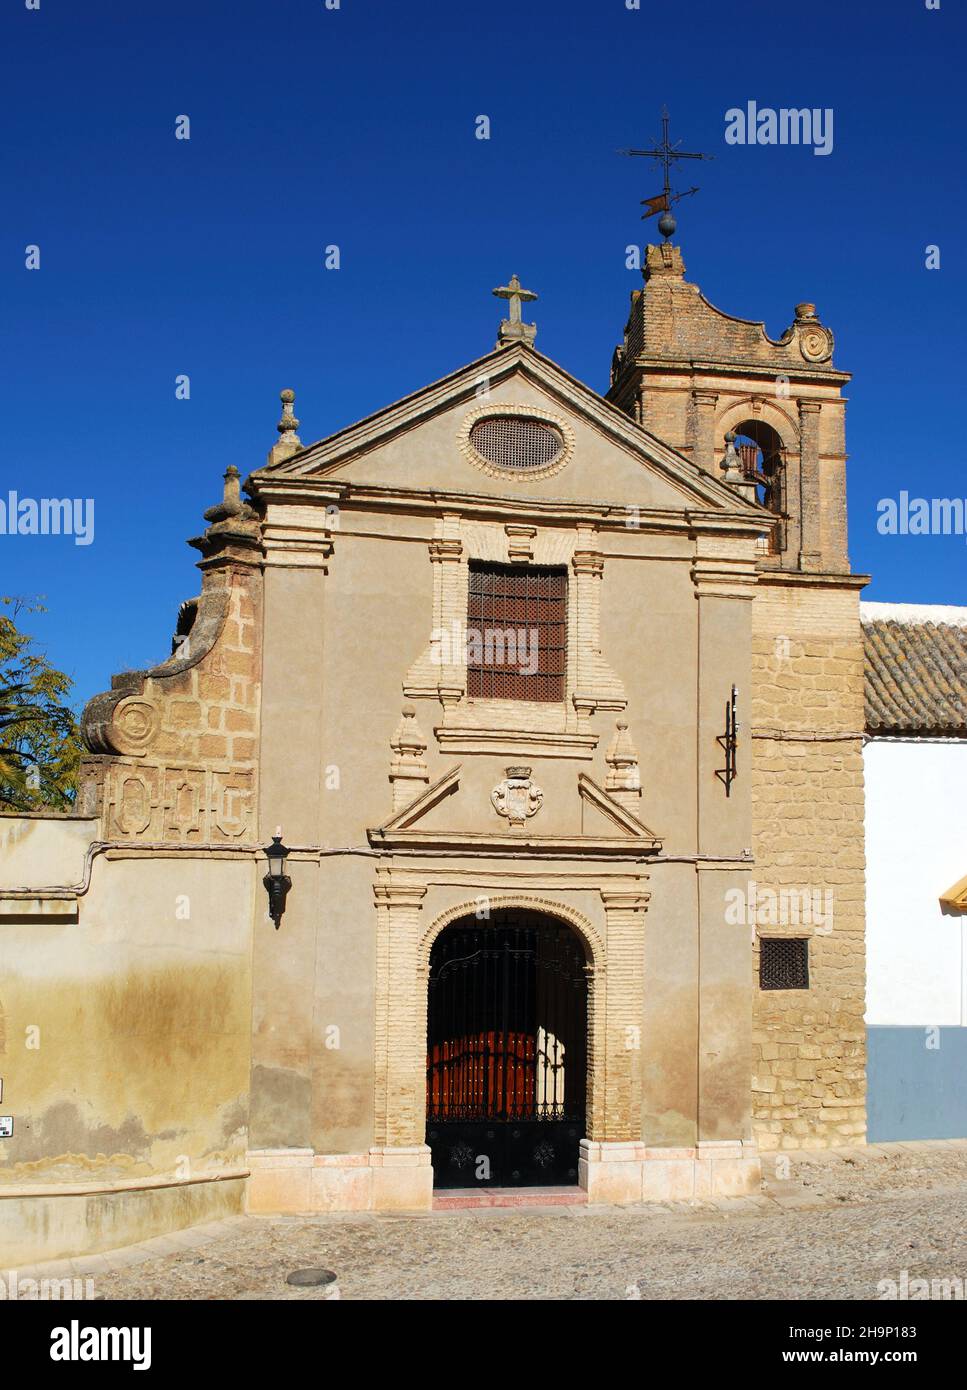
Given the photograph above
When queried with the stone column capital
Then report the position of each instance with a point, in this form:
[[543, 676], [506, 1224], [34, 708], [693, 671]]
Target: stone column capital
[[445, 550], [625, 900], [588, 562], [394, 895]]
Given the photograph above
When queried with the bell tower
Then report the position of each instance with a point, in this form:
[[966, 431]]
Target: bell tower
[[715, 387], [767, 416]]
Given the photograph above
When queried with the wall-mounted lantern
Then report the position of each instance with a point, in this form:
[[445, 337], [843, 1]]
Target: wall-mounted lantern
[[277, 881]]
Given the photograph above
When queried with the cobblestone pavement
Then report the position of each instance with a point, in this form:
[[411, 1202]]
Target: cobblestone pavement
[[831, 1226]]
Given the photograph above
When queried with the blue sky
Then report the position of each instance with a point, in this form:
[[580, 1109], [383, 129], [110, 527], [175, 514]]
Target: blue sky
[[355, 127]]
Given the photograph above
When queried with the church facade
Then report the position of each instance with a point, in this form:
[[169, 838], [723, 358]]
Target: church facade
[[556, 701]]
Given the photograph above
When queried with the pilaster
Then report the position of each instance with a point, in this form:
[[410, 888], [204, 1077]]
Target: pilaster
[[400, 1022], [810, 553]]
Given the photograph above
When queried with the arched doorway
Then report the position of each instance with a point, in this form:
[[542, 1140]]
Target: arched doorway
[[506, 1072]]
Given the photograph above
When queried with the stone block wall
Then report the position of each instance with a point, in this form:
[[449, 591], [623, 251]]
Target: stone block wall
[[807, 778]]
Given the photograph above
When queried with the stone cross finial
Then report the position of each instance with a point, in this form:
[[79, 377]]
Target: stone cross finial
[[513, 330]]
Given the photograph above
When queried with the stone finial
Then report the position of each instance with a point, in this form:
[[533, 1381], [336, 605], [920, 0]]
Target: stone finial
[[408, 772], [231, 503], [513, 329], [289, 441], [623, 781], [733, 473], [288, 424], [233, 532], [731, 464]]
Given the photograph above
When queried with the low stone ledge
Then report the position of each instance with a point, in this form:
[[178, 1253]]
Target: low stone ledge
[[44, 1224]]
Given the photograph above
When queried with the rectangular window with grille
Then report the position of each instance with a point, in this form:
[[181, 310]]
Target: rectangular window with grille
[[783, 963], [516, 632]]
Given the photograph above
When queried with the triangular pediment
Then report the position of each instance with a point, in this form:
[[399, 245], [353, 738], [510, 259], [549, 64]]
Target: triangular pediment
[[415, 827], [419, 444]]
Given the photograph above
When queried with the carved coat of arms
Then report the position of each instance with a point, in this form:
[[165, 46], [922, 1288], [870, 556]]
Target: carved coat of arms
[[517, 797]]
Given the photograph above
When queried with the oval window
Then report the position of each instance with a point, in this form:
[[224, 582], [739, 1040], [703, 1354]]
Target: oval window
[[516, 442]]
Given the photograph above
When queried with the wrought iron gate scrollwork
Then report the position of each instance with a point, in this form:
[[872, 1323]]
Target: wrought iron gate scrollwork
[[506, 1072]]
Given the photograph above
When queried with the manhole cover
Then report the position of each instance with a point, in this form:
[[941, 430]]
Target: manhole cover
[[311, 1278]]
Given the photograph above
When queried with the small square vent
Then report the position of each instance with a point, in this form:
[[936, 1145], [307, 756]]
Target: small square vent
[[783, 963]]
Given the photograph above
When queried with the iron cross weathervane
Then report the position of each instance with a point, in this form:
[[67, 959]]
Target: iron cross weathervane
[[667, 153]]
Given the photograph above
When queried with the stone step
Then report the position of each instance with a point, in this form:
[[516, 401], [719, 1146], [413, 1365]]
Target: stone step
[[468, 1198]]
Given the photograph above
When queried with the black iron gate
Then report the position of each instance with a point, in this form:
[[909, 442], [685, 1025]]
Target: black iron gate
[[506, 1073]]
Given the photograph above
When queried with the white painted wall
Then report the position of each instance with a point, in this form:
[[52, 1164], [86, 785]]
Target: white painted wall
[[916, 848]]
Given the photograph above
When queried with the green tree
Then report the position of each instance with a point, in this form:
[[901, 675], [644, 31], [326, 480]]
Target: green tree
[[40, 745]]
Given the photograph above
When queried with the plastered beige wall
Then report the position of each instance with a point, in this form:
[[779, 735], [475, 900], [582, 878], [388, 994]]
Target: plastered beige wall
[[341, 636]]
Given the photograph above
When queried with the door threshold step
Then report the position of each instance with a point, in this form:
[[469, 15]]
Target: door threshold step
[[468, 1198]]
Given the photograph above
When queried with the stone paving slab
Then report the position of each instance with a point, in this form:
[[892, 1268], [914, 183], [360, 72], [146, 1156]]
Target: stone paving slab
[[767, 1252]]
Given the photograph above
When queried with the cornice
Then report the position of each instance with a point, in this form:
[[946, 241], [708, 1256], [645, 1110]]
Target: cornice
[[613, 516], [809, 579], [523, 846], [719, 370]]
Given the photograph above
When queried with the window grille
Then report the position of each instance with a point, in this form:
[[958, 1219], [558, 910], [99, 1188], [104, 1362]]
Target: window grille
[[516, 442], [516, 632], [783, 963]]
